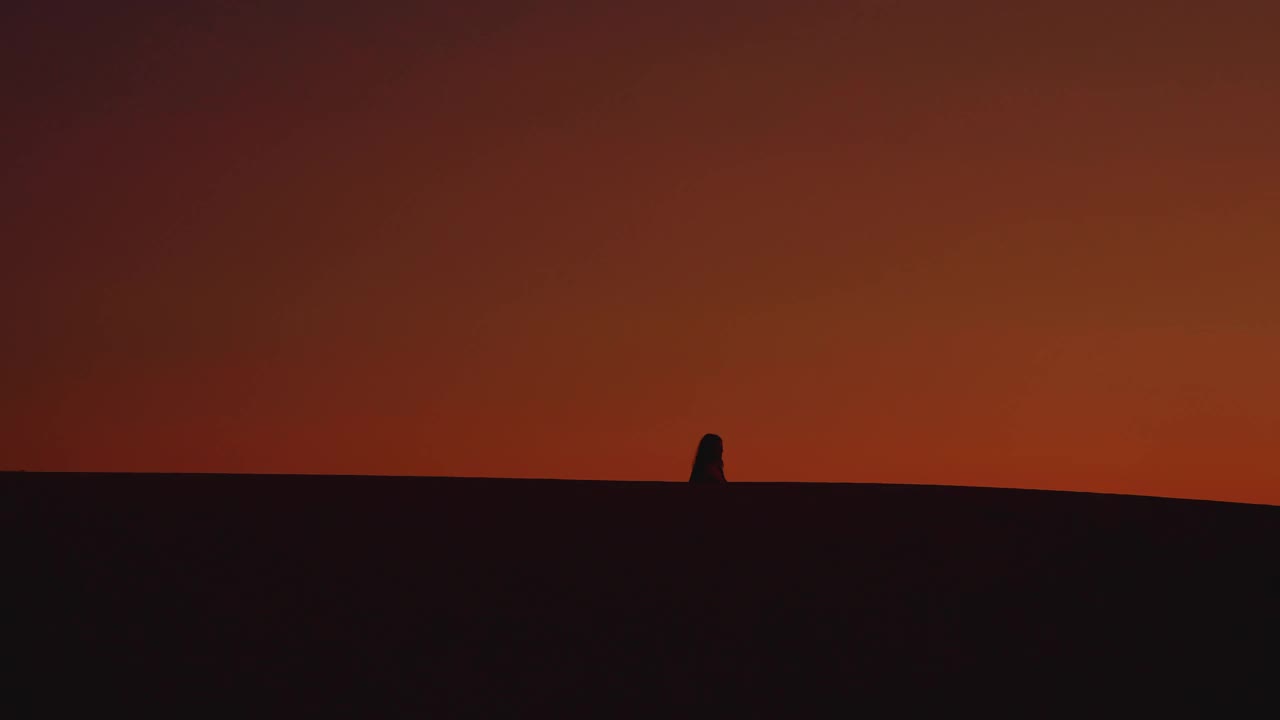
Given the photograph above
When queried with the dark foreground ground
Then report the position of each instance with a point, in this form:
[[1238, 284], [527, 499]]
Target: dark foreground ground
[[293, 596]]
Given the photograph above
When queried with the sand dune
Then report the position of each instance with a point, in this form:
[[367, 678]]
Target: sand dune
[[494, 597]]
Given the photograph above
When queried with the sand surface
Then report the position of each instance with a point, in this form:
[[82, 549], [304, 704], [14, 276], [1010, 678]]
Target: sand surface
[[448, 597]]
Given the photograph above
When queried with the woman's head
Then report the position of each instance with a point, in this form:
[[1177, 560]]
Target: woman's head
[[711, 447]]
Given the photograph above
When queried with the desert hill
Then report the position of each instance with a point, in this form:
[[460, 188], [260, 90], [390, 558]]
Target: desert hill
[[445, 597]]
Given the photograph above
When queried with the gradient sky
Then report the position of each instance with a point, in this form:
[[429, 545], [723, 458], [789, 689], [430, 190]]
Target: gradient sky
[[1024, 243]]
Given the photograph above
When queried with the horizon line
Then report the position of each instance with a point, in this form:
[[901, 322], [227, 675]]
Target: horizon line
[[807, 483]]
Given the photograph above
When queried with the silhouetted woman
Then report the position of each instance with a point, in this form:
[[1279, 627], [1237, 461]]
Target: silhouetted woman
[[708, 464]]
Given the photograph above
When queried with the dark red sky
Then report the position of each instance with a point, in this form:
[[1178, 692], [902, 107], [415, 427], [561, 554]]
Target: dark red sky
[[1019, 243]]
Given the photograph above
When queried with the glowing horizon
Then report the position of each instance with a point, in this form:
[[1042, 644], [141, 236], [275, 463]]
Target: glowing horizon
[[1006, 244]]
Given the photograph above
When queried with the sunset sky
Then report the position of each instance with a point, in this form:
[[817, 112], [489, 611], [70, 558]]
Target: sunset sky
[[1018, 243]]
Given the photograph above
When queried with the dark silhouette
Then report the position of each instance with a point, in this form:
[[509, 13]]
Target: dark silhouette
[[456, 597], [708, 463]]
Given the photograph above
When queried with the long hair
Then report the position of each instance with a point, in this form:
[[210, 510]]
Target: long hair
[[710, 452]]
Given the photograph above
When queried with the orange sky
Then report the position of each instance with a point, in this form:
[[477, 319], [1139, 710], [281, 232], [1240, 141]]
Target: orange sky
[[1023, 244]]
